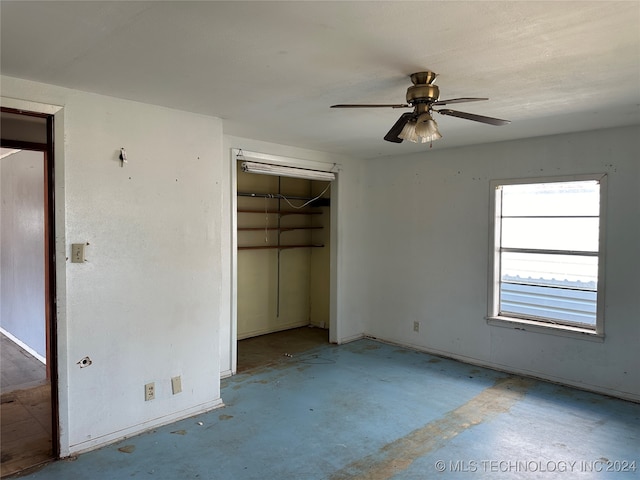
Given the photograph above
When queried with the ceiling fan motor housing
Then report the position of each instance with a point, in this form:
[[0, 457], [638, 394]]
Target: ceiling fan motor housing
[[423, 94], [423, 89]]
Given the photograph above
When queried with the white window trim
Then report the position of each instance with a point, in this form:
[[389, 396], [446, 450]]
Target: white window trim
[[493, 297]]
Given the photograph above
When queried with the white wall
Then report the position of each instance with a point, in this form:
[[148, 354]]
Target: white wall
[[22, 261], [427, 225], [146, 305]]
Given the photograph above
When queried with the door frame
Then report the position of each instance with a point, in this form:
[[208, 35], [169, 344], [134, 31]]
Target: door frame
[[51, 324], [234, 153]]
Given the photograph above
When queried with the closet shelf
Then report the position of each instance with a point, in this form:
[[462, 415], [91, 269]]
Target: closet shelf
[[280, 212], [279, 247], [282, 229]]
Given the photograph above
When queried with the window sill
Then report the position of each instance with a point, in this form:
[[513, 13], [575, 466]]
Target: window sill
[[549, 329]]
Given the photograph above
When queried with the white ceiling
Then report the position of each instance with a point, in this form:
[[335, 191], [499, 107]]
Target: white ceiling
[[272, 69]]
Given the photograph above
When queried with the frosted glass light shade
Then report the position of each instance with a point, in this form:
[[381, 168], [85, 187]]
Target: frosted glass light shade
[[409, 132], [422, 130], [427, 128]]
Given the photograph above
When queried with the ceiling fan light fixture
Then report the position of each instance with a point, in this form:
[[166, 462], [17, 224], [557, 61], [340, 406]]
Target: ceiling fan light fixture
[[419, 126], [426, 128], [409, 132]]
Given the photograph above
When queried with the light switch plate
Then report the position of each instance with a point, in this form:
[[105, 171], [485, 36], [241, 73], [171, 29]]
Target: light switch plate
[[176, 384], [77, 252]]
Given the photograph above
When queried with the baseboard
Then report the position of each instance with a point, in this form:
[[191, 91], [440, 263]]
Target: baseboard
[[114, 437], [266, 331], [352, 338], [628, 396], [24, 346]]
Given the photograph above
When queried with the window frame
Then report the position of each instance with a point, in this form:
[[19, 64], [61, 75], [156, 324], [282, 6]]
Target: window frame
[[531, 323]]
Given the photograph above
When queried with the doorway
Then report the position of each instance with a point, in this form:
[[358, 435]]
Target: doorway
[[282, 263], [28, 368]]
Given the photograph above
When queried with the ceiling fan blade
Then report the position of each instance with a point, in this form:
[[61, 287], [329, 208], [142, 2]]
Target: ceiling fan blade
[[392, 135], [458, 100], [474, 117], [375, 105]]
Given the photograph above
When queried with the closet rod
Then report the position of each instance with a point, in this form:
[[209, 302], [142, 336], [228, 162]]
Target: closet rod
[[272, 195]]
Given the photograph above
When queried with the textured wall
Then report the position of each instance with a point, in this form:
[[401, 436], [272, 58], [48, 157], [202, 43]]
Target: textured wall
[[146, 304]]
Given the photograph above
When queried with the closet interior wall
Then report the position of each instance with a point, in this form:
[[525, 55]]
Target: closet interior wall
[[283, 254]]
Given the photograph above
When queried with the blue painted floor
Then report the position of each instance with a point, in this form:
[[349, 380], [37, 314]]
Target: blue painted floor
[[375, 411]]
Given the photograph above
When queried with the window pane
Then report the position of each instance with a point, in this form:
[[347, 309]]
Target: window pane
[[552, 199], [545, 218], [551, 303], [576, 234], [567, 271]]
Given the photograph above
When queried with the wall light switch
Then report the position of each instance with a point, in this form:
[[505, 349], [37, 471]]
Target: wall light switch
[[77, 252], [176, 384]]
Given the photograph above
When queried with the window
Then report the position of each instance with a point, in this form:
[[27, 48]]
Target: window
[[547, 261]]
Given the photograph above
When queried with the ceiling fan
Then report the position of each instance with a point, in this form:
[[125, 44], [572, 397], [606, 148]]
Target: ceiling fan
[[419, 126]]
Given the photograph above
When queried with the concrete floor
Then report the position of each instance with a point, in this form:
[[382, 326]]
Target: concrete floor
[[269, 349], [25, 410], [20, 369], [26, 429], [368, 410]]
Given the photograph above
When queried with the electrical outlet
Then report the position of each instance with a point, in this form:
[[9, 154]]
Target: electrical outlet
[[416, 327], [149, 391], [176, 384]]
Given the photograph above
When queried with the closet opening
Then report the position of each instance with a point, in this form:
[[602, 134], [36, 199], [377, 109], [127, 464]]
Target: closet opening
[[283, 232]]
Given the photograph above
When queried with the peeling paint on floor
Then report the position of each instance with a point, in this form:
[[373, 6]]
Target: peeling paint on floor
[[397, 456]]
